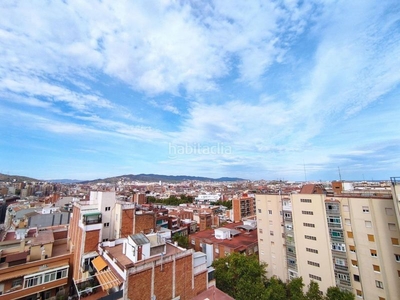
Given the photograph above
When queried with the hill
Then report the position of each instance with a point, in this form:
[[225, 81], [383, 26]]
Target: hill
[[15, 178], [163, 178]]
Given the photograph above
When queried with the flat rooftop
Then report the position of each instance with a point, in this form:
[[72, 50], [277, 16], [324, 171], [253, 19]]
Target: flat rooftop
[[125, 262]]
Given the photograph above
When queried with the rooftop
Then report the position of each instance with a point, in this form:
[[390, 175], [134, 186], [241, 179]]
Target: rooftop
[[238, 242], [125, 262]]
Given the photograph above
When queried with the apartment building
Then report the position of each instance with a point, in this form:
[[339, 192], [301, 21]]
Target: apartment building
[[34, 264], [243, 207], [271, 238], [122, 256], [345, 237]]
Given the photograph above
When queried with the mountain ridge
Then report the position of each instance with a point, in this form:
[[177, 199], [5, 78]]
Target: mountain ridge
[[132, 177], [165, 178]]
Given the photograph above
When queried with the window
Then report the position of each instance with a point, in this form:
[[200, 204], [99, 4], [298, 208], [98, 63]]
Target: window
[[288, 215], [312, 263], [368, 224], [260, 230], [270, 222], [312, 250], [371, 238], [310, 237], [342, 276], [352, 248], [354, 263], [359, 293], [307, 212], [309, 225], [16, 282], [259, 211], [395, 241], [105, 240], [373, 253], [32, 281], [365, 209], [51, 275], [389, 211], [356, 277], [350, 234], [376, 268], [340, 262], [305, 200], [392, 226], [108, 208], [338, 247], [270, 212], [107, 224], [379, 284], [336, 233], [315, 277], [347, 222], [47, 295], [397, 257], [271, 233], [334, 220], [193, 242]]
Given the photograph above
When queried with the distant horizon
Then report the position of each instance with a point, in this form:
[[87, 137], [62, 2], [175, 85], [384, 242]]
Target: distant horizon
[[213, 178], [253, 89]]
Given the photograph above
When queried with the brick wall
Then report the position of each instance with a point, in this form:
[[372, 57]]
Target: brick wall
[[91, 240], [163, 282], [139, 285], [200, 283], [75, 234], [127, 217], [144, 223], [183, 278]]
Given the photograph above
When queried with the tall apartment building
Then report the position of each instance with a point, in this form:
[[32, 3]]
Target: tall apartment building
[[345, 238]]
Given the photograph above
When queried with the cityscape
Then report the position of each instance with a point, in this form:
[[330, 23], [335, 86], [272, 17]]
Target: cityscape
[[162, 240], [205, 150]]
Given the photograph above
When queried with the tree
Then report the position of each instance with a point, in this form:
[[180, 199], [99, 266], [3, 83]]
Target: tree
[[240, 276], [276, 289], [313, 292], [183, 241], [295, 289], [334, 293]]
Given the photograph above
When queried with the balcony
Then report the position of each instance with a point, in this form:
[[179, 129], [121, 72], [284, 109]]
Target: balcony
[[332, 208], [91, 218]]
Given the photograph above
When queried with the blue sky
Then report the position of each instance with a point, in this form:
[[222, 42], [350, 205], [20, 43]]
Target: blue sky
[[258, 90]]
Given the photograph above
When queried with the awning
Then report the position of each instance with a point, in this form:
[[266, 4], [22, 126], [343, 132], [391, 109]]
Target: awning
[[99, 263], [107, 279]]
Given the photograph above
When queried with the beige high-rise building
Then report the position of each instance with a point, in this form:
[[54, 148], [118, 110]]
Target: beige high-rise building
[[346, 238]]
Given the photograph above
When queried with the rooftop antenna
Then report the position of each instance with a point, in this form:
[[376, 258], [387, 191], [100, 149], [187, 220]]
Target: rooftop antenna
[[305, 173], [340, 175]]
